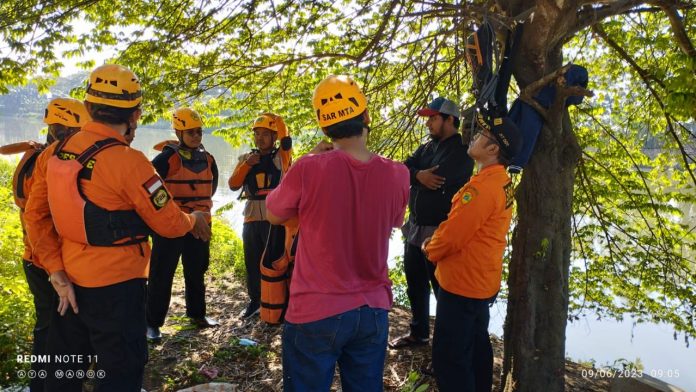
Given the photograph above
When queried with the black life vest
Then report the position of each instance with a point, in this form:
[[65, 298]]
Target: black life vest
[[262, 178]]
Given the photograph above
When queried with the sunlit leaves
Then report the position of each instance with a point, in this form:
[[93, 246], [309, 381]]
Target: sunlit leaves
[[634, 228]]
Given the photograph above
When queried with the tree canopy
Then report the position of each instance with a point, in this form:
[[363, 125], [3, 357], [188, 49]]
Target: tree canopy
[[632, 215]]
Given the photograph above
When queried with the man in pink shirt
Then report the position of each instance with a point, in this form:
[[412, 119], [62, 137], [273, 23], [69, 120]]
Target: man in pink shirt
[[347, 199]]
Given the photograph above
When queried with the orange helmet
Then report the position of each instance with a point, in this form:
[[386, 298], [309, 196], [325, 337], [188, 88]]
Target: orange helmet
[[184, 119], [266, 120], [114, 85], [336, 99], [66, 111]]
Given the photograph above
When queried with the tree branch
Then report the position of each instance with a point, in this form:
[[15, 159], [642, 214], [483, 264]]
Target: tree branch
[[645, 75], [589, 15], [534, 87], [677, 27], [380, 31], [527, 94]]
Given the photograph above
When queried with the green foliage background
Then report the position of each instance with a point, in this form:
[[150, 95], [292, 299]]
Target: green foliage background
[[16, 301], [634, 228]]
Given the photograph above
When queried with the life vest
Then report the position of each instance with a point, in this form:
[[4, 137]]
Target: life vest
[[277, 263], [279, 254], [191, 185], [25, 169], [20, 182], [77, 218], [262, 178]]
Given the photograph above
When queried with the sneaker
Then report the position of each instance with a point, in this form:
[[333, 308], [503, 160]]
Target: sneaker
[[204, 322], [251, 310], [153, 334]]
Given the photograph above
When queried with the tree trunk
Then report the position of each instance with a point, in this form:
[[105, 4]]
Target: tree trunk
[[534, 330]]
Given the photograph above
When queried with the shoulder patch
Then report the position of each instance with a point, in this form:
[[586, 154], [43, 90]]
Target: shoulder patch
[[468, 194], [509, 194], [158, 193]]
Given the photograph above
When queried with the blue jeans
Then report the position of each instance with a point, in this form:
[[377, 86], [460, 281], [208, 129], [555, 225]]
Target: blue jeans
[[356, 339]]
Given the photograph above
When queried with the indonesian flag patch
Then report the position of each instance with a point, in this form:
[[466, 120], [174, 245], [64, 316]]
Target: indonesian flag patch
[[158, 193]]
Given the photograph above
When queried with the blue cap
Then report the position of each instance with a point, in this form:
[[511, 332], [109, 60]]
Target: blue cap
[[440, 105]]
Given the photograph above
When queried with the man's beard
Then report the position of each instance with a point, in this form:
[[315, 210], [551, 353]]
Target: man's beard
[[437, 136]]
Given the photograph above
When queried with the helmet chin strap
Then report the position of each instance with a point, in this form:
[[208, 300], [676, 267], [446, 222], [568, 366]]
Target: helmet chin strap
[[130, 127]]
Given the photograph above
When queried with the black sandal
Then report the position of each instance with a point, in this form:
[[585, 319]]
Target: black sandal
[[407, 341]]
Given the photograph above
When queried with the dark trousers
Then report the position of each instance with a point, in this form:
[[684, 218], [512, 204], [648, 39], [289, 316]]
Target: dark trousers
[[462, 351], [45, 302], [195, 256], [420, 276], [108, 331], [254, 236]]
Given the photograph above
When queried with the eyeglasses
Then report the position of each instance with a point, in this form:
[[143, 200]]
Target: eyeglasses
[[481, 132]]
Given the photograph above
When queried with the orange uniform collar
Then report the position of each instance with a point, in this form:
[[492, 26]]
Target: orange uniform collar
[[103, 130], [492, 169]]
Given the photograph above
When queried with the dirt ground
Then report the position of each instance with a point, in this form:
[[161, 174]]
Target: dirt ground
[[188, 356]]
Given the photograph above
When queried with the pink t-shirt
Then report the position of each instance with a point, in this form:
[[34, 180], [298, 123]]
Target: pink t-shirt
[[346, 210]]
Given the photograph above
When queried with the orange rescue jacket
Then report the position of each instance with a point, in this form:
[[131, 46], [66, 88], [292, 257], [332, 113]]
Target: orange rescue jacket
[[468, 247], [120, 179], [22, 181]]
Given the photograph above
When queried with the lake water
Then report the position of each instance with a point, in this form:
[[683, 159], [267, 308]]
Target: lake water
[[588, 339]]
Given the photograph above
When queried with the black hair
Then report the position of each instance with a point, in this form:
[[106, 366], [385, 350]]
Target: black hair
[[502, 156], [110, 114], [345, 129], [446, 116], [59, 132], [503, 160]]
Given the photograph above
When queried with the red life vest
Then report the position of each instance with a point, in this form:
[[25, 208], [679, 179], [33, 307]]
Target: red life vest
[[191, 185], [77, 218]]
